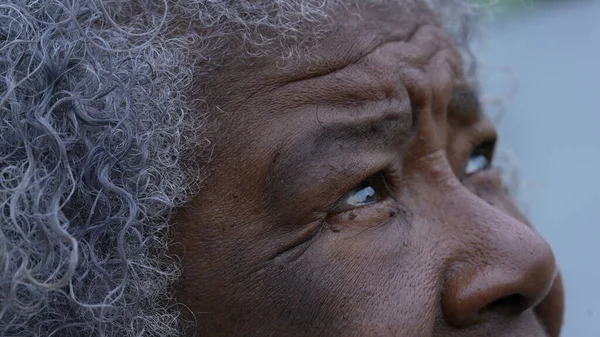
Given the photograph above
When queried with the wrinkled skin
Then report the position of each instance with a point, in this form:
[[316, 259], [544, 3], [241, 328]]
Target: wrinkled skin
[[271, 247]]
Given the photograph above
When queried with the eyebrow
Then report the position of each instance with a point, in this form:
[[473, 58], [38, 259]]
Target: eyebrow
[[465, 104]]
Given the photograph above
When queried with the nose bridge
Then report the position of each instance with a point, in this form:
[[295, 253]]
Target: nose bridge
[[498, 263], [496, 235]]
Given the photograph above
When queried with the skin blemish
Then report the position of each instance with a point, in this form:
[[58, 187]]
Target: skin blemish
[[334, 227]]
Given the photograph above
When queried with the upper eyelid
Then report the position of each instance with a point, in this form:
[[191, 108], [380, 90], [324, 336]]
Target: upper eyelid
[[482, 135], [465, 104], [487, 146]]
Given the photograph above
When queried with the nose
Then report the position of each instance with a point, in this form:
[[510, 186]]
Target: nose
[[506, 270]]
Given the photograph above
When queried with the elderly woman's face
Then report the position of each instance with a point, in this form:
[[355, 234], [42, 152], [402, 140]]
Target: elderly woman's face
[[351, 195]]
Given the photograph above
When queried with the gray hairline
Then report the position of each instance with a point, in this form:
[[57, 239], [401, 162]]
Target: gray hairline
[[94, 135]]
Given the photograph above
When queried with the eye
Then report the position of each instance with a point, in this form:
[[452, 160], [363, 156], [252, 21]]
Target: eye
[[476, 163], [480, 159], [369, 191]]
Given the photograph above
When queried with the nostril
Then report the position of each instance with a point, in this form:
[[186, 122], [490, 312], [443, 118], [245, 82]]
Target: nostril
[[509, 305]]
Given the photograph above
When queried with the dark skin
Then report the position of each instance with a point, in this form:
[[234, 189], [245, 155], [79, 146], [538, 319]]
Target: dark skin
[[338, 203]]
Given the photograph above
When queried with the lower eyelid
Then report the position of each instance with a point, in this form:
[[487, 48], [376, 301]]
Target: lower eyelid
[[366, 216], [490, 178]]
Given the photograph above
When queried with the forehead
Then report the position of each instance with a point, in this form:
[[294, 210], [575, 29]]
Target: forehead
[[356, 31], [381, 62]]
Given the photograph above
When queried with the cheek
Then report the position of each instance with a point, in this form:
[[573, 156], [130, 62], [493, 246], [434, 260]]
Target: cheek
[[374, 281]]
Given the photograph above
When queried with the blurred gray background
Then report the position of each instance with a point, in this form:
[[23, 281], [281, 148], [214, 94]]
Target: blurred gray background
[[542, 60]]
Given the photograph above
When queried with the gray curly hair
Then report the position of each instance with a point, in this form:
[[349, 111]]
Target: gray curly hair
[[99, 146]]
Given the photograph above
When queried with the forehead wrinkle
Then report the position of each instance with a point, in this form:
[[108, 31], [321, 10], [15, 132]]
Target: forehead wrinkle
[[328, 66], [326, 59], [354, 87], [359, 31]]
